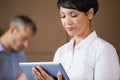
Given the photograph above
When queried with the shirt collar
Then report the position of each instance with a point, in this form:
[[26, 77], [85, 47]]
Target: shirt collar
[[1, 48], [86, 41]]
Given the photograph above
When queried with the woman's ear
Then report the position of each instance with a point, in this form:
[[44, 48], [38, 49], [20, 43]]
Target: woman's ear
[[90, 13]]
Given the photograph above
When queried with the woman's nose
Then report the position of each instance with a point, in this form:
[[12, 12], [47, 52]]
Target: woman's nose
[[68, 21]]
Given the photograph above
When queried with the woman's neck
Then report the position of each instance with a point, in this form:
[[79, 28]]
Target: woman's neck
[[81, 37]]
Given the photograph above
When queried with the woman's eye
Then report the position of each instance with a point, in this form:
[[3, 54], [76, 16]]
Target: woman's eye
[[74, 15], [62, 16]]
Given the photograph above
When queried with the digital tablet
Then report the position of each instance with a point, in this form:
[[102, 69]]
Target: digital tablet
[[50, 67]]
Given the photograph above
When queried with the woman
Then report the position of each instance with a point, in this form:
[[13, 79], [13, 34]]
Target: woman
[[86, 56]]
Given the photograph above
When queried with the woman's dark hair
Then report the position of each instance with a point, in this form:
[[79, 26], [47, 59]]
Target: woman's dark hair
[[80, 5]]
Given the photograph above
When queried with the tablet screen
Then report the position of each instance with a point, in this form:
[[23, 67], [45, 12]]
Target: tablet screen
[[50, 67]]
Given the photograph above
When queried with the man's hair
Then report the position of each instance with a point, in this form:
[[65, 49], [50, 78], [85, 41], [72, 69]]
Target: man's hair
[[23, 21], [80, 5]]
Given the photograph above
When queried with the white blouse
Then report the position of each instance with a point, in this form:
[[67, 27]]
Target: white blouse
[[92, 59]]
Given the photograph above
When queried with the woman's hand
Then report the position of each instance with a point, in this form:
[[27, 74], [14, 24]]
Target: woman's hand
[[40, 74]]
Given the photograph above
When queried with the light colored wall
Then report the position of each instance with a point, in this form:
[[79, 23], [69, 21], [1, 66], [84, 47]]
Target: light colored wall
[[50, 34]]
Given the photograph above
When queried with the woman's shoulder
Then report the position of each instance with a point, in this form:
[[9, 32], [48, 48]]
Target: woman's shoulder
[[102, 43], [64, 46], [102, 46]]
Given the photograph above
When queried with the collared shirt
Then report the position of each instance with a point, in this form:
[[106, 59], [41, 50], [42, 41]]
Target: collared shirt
[[92, 59], [9, 64]]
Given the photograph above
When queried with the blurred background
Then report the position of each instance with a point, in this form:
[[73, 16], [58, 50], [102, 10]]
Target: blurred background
[[51, 34]]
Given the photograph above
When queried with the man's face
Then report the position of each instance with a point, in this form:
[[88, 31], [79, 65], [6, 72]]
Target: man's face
[[21, 38]]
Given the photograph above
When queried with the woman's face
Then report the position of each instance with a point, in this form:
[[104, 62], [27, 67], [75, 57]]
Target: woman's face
[[76, 23]]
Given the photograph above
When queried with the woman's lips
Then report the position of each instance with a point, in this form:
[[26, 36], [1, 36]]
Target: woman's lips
[[69, 28]]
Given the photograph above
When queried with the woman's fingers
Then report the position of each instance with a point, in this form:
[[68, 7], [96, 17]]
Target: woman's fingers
[[37, 74], [44, 74], [59, 76], [40, 74]]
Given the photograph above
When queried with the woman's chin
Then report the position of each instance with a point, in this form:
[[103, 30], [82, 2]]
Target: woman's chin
[[71, 34]]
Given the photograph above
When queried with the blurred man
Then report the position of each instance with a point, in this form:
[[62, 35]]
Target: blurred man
[[12, 42]]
